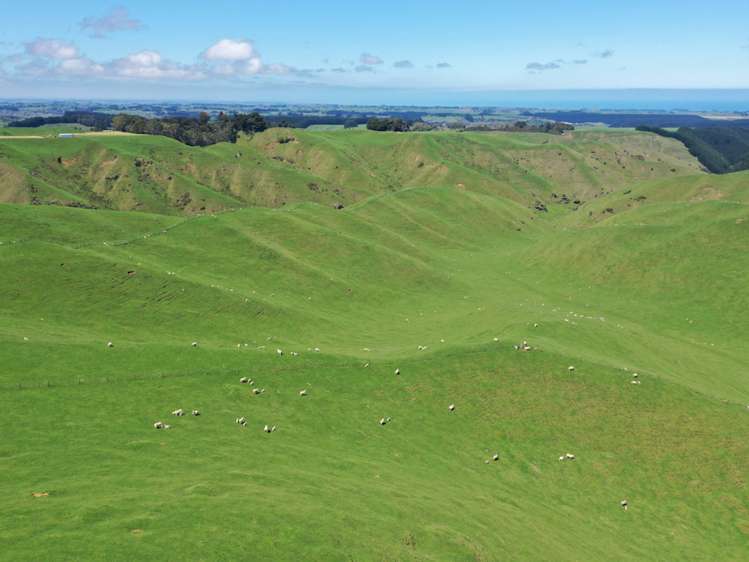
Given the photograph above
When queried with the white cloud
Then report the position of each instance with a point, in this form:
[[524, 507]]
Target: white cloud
[[605, 54], [235, 57], [369, 60], [403, 64], [151, 65], [229, 50], [117, 19], [82, 66], [364, 68], [444, 65], [51, 48]]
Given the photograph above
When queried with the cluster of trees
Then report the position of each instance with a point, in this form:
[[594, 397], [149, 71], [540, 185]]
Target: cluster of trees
[[720, 149], [554, 128], [98, 121], [298, 121], [202, 131], [388, 124]]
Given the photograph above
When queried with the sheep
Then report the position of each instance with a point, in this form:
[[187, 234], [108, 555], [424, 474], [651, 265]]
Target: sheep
[[244, 380], [366, 365], [279, 352], [383, 421], [397, 372], [194, 344], [635, 375], [496, 339], [257, 391], [271, 429], [569, 456], [196, 412], [571, 368], [158, 425], [495, 457], [167, 426], [635, 382], [316, 350], [110, 344], [624, 504], [294, 354], [303, 392], [561, 458], [178, 413], [241, 421], [451, 407]]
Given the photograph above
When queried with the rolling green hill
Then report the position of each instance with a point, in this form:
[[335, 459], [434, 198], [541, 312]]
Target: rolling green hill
[[285, 166], [437, 266]]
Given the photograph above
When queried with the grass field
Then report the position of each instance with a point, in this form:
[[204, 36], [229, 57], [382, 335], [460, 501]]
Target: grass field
[[438, 270]]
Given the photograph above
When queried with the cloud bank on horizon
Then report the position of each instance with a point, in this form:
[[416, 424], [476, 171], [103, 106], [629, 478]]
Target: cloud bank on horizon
[[135, 45]]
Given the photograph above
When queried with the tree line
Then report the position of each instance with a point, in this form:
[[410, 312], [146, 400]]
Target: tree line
[[719, 149], [202, 131]]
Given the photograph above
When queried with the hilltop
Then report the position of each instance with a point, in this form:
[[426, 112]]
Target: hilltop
[[284, 166]]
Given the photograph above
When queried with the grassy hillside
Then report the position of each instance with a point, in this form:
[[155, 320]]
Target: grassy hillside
[[285, 166], [440, 280]]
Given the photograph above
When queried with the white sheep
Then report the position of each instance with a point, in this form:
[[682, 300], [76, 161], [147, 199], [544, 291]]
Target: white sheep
[[110, 344], [244, 380], [383, 421], [267, 429], [624, 504], [158, 425], [196, 412], [279, 352], [241, 421], [194, 344], [495, 457], [569, 457], [451, 407], [178, 412], [635, 382], [303, 392], [397, 371], [257, 391], [571, 368]]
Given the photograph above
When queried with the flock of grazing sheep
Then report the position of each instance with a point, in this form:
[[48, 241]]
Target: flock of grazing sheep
[[242, 421]]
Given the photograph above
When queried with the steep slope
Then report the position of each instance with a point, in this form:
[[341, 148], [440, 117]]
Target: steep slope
[[284, 166]]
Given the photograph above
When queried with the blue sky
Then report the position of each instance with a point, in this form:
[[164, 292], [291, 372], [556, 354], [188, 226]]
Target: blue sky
[[379, 52]]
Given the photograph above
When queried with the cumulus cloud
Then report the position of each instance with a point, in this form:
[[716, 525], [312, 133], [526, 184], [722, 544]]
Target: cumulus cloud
[[82, 66], [541, 66], [117, 19], [56, 49], [369, 60], [234, 56], [444, 65], [151, 65], [226, 59], [403, 64], [229, 50], [364, 68], [605, 54]]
